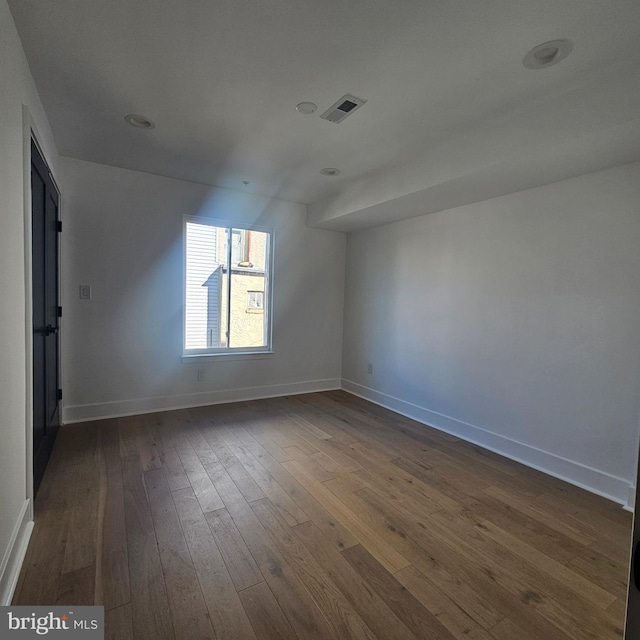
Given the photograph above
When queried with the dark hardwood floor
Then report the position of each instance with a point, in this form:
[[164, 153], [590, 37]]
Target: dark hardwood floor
[[318, 517]]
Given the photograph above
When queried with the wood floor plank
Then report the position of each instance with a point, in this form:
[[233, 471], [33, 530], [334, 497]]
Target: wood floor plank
[[118, 623], [226, 487], [240, 563], [601, 508], [283, 434], [240, 476], [149, 449], [369, 605], [538, 534], [497, 578], [602, 571], [77, 587], [371, 433], [454, 458], [203, 450], [367, 536], [618, 610], [398, 430], [174, 471], [508, 630], [329, 448], [559, 605], [289, 510], [465, 583], [448, 468], [252, 438], [149, 604], [312, 464], [112, 561], [128, 437], [448, 613], [284, 438], [306, 407], [437, 479], [265, 613], [228, 616], [80, 550], [387, 491], [587, 589], [329, 464], [615, 549], [342, 618], [206, 493], [406, 487], [309, 427], [418, 620], [167, 429], [300, 610], [183, 589], [329, 525], [345, 482], [586, 520], [534, 511]]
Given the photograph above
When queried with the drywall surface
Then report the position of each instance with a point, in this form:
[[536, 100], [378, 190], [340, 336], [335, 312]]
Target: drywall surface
[[17, 90], [590, 125], [514, 322], [122, 348]]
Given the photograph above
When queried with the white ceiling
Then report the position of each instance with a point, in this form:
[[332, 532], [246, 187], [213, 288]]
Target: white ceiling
[[451, 115]]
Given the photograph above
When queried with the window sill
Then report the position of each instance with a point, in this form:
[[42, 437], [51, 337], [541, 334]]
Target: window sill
[[200, 358]]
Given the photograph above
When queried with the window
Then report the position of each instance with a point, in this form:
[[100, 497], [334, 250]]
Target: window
[[227, 288], [255, 301]]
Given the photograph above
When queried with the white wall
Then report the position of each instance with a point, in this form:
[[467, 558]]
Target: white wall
[[17, 89], [122, 349], [514, 322]]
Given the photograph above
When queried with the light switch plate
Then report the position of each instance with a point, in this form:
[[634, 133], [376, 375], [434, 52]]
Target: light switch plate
[[85, 292]]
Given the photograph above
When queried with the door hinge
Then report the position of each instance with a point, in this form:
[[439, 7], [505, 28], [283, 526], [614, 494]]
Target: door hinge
[[59, 394], [59, 312], [59, 226]]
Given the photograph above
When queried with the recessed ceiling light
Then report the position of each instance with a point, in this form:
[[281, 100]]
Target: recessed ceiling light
[[307, 108], [547, 54], [330, 171], [139, 121]]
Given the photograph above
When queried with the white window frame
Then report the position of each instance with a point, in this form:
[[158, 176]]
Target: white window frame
[[253, 295], [195, 354]]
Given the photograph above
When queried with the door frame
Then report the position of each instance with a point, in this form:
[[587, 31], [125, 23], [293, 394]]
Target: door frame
[[30, 133]]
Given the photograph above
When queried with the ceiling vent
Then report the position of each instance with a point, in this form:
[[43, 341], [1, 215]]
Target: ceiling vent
[[337, 112]]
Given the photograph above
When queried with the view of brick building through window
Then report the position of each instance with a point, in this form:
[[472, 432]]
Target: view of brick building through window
[[226, 308]]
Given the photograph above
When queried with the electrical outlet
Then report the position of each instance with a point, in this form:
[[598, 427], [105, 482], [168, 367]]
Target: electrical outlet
[[200, 375], [85, 292], [370, 368]]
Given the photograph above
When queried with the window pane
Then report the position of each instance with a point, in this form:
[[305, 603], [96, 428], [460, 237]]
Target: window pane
[[249, 282], [205, 318]]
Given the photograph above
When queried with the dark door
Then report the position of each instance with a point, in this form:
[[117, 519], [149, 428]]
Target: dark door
[[633, 604], [46, 313]]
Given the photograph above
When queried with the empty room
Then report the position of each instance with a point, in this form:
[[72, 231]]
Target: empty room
[[320, 320]]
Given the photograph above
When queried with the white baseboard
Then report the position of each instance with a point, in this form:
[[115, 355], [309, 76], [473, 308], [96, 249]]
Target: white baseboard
[[14, 554], [594, 480], [118, 409]]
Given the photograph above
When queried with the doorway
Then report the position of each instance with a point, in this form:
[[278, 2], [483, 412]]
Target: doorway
[[45, 227]]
